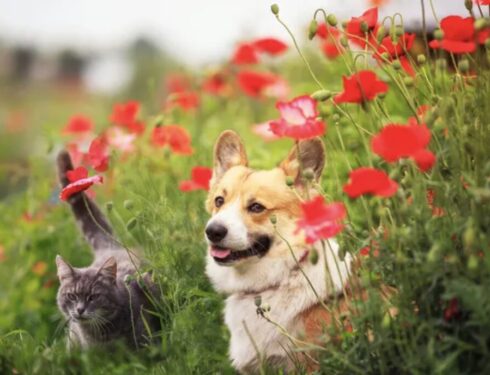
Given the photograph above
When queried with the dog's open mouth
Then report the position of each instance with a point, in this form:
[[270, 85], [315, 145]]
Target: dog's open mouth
[[223, 255]]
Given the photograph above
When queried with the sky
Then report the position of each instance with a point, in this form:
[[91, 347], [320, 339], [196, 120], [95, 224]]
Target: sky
[[198, 31]]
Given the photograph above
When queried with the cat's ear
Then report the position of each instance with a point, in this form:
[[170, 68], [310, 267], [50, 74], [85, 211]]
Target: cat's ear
[[109, 268], [65, 271]]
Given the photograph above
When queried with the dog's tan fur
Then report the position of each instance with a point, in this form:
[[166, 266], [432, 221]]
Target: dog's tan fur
[[276, 276]]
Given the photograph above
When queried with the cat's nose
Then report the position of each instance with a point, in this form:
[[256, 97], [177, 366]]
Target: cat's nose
[[216, 232], [80, 310]]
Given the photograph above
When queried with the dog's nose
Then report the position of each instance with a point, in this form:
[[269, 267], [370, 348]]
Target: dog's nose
[[216, 232]]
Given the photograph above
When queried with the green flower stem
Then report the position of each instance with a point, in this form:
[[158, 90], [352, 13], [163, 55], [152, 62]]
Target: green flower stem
[[300, 53]]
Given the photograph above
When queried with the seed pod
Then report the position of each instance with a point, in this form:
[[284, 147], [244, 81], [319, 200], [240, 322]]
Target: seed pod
[[464, 66], [332, 20], [396, 65], [258, 301], [343, 41], [313, 256], [439, 34], [108, 206], [480, 24], [289, 181], [335, 117], [399, 31], [322, 95], [421, 59], [273, 219], [468, 4], [312, 29], [128, 204], [131, 223], [275, 9]]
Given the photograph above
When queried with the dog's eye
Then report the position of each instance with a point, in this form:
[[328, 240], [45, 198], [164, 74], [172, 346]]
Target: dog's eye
[[256, 208], [71, 296], [219, 201]]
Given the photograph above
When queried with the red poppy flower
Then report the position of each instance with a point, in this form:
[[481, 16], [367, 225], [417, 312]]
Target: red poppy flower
[[367, 250], [79, 184], [187, 100], [320, 220], [124, 115], [200, 177], [271, 46], [245, 54], [372, 181], [431, 196], [176, 82], [397, 51], [483, 35], [330, 45], [459, 35], [298, 119], [98, 154], [78, 125], [264, 131], [173, 136], [354, 30], [254, 83], [77, 174], [120, 140], [215, 84], [396, 141], [361, 87], [483, 2]]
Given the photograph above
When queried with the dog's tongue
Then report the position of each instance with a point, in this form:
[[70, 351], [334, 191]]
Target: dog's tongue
[[220, 253]]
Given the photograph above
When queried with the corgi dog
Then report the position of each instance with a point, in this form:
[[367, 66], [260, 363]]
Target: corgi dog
[[252, 258]]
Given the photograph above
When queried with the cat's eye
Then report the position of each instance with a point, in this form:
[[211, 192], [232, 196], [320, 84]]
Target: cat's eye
[[93, 297], [71, 296], [256, 208], [219, 201]]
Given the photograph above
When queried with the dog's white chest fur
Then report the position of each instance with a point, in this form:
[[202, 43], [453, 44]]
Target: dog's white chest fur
[[281, 285]]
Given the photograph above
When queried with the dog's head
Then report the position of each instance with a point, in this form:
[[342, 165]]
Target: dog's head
[[241, 202]]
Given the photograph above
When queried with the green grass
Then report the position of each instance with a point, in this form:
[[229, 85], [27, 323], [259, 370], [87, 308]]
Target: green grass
[[431, 260]]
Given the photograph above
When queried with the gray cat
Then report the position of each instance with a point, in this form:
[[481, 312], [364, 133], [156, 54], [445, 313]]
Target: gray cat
[[103, 302]]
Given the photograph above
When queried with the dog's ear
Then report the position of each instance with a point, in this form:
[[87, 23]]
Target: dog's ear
[[307, 154], [228, 152]]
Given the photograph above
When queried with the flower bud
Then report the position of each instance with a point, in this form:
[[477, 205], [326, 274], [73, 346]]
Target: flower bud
[[335, 117], [468, 4], [131, 224], [266, 307], [480, 24], [332, 20], [308, 174], [344, 24], [364, 27], [380, 34], [343, 41], [128, 204], [469, 236], [464, 66], [312, 29], [322, 95], [273, 219], [399, 31], [472, 264], [109, 205], [421, 59], [408, 81], [275, 9], [396, 65], [439, 34], [258, 301], [313, 256], [434, 253], [289, 181]]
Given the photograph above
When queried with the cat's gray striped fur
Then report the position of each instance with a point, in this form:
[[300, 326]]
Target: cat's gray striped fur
[[104, 301]]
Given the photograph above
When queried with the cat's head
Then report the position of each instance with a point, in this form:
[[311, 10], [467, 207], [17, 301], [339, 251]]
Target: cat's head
[[88, 295]]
